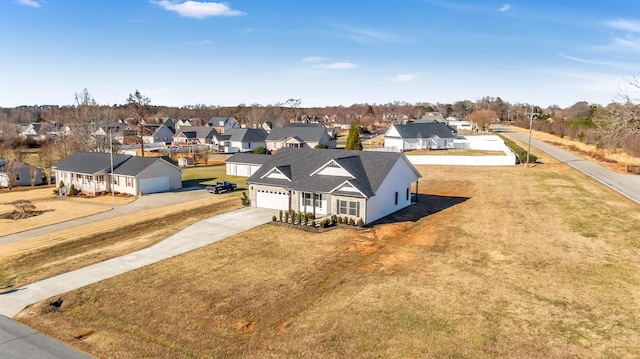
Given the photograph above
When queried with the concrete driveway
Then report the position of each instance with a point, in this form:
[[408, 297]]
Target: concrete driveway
[[195, 236], [627, 185]]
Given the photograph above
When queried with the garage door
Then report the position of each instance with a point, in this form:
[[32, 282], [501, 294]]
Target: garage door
[[243, 170], [272, 199], [153, 185]]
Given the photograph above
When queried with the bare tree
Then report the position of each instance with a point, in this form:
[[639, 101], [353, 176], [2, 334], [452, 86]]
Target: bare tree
[[483, 118], [621, 120], [139, 107], [11, 165]]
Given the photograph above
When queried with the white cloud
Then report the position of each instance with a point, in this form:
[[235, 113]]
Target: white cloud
[[195, 9], [200, 43], [583, 60], [30, 3], [404, 78], [336, 66], [314, 59], [505, 8], [367, 36], [632, 26]]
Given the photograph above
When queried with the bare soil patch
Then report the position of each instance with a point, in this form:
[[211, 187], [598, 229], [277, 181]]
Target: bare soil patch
[[493, 262]]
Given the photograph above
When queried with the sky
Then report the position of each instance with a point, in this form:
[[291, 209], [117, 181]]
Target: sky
[[325, 53]]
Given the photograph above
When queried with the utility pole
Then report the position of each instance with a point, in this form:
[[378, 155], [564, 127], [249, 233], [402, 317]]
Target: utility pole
[[113, 194], [531, 117]]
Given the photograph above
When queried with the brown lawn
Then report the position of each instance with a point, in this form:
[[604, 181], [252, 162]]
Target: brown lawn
[[56, 210], [493, 262]]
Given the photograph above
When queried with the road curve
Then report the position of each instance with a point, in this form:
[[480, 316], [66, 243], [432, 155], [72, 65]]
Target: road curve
[[627, 185]]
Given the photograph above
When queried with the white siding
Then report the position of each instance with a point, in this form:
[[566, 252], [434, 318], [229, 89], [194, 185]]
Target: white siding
[[394, 142], [401, 176]]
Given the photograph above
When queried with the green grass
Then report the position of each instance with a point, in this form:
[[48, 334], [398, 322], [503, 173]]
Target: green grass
[[208, 175]]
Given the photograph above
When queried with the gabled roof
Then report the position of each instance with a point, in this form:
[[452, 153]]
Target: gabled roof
[[215, 121], [172, 130], [197, 132], [425, 130], [367, 169], [90, 162], [250, 158], [246, 134], [306, 134], [135, 165]]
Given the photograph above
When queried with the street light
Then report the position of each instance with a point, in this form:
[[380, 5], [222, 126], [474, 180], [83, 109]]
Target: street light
[[532, 115]]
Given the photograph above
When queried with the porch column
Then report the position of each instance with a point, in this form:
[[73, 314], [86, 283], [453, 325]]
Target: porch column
[[416, 192], [313, 203]]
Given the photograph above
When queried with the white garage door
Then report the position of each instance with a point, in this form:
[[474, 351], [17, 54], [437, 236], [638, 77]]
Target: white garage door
[[272, 199], [242, 170], [153, 185]]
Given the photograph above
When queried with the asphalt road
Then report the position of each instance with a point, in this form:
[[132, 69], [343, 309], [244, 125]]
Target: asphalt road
[[627, 185]]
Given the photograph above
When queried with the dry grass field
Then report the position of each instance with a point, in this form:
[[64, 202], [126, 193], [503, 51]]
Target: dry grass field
[[57, 210], [493, 262]]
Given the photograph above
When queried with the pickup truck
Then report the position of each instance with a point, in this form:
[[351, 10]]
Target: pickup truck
[[220, 187]]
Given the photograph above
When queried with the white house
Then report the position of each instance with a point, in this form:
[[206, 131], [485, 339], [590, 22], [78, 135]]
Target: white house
[[239, 140], [245, 164], [299, 137], [354, 184], [90, 172], [415, 136]]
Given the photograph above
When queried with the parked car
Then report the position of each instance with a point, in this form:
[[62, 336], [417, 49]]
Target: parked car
[[220, 187]]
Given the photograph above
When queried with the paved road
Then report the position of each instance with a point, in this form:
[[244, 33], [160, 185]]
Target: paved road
[[195, 236], [18, 341], [627, 185], [149, 201]]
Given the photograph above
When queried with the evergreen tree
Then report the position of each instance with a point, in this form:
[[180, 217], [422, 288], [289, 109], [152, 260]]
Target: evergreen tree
[[353, 141]]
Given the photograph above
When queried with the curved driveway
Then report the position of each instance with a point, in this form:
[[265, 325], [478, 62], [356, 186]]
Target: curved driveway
[[627, 185], [195, 236]]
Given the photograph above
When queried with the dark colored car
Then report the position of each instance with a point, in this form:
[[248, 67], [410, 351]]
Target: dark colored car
[[220, 187]]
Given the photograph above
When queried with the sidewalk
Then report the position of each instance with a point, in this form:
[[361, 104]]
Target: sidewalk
[[195, 236]]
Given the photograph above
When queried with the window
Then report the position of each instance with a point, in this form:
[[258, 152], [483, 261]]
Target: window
[[18, 176], [318, 201], [396, 198], [407, 194], [129, 182], [351, 208], [115, 180], [306, 199], [100, 178]]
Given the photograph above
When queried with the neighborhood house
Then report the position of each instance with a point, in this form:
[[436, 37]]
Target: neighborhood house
[[355, 184], [90, 172], [417, 136]]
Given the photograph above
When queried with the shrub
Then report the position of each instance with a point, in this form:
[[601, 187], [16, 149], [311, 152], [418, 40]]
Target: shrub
[[320, 146], [73, 191], [352, 222], [306, 219], [519, 151], [299, 217], [260, 150], [274, 218], [286, 217], [61, 184], [334, 219], [324, 223], [280, 216], [245, 200], [360, 223], [313, 223]]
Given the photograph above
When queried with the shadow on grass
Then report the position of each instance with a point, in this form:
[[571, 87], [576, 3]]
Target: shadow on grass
[[427, 204], [196, 182]]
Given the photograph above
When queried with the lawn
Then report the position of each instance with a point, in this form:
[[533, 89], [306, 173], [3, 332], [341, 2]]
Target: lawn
[[493, 262], [208, 175]]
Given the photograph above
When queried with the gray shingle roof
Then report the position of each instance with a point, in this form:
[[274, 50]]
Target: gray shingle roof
[[197, 132], [90, 162], [307, 134], [369, 169], [425, 130], [246, 134], [250, 158], [135, 165]]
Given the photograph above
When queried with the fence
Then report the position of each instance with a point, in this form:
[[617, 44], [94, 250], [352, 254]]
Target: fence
[[479, 143]]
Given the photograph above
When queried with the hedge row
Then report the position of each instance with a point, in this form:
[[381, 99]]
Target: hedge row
[[519, 151]]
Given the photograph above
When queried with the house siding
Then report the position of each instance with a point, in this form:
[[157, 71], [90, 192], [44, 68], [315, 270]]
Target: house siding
[[398, 180], [163, 169]]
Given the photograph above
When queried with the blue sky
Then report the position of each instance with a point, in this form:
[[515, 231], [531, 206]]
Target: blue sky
[[325, 53]]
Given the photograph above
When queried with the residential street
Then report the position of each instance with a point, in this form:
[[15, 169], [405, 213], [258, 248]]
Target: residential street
[[627, 185]]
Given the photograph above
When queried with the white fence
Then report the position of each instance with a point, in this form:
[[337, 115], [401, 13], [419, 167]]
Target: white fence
[[480, 143]]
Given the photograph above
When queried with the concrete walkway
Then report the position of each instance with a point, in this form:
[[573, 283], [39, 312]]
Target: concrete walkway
[[627, 185], [195, 236]]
